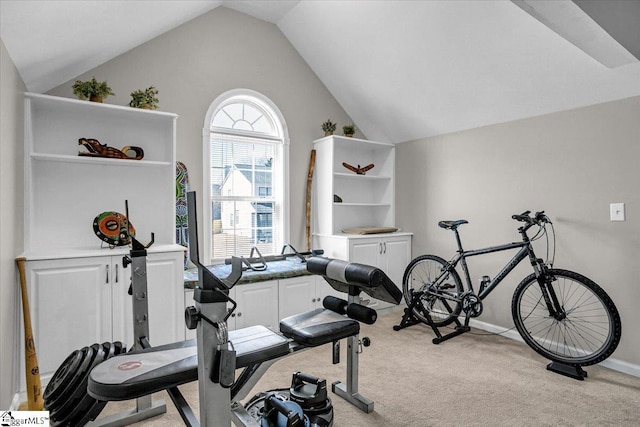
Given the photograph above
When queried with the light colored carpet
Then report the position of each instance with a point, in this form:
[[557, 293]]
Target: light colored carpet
[[471, 380]]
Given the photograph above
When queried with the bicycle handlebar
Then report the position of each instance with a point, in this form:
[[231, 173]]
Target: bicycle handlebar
[[538, 218]]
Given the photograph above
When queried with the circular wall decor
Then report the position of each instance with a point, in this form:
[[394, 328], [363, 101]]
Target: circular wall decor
[[111, 227]]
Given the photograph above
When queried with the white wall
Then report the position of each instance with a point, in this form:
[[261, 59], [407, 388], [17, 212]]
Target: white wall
[[571, 164], [11, 186], [223, 50]]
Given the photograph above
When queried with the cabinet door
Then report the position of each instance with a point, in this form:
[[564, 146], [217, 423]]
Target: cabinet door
[[70, 304], [165, 284], [324, 289], [395, 258], [257, 304], [366, 251], [296, 295]]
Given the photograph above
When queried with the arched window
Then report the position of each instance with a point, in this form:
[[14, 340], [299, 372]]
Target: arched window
[[246, 168]]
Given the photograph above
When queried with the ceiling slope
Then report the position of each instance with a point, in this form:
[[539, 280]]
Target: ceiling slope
[[52, 42], [405, 70]]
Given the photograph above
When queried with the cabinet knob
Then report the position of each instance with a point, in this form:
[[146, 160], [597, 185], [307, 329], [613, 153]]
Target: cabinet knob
[[239, 314]]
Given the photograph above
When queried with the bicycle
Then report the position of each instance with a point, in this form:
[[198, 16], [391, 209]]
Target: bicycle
[[561, 314]]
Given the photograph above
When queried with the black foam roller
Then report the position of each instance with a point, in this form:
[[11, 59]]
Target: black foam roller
[[335, 304], [362, 314]]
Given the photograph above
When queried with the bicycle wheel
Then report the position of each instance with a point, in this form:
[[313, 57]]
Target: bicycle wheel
[[421, 275], [590, 330]]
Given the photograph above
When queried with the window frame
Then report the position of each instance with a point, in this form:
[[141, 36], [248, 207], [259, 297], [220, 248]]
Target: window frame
[[281, 137]]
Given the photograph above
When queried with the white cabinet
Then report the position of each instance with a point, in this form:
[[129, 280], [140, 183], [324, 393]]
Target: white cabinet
[[165, 289], [71, 306], [76, 302], [78, 286], [390, 252], [257, 305], [265, 303], [303, 293]]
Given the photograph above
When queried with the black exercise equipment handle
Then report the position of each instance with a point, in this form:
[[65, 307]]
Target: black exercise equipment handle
[[302, 377], [275, 405]]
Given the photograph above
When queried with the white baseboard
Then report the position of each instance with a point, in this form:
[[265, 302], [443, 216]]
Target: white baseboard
[[611, 363], [17, 398]]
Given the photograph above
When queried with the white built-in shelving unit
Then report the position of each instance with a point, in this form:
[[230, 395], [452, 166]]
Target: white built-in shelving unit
[[77, 285], [367, 201]]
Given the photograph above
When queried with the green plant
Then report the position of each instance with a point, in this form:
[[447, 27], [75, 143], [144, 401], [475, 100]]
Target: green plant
[[328, 126], [144, 98], [92, 90], [349, 130]]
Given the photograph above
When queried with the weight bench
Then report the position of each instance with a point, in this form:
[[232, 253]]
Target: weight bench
[[215, 355], [139, 373]]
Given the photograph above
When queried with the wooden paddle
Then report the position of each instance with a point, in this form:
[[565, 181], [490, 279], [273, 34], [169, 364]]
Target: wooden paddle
[[312, 162]]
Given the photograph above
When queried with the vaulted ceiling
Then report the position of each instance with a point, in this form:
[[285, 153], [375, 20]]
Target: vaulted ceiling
[[402, 70]]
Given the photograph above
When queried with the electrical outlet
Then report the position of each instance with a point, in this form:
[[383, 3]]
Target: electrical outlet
[[617, 211]]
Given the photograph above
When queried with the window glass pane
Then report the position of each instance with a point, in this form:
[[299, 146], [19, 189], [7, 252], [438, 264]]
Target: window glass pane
[[242, 191], [244, 116]]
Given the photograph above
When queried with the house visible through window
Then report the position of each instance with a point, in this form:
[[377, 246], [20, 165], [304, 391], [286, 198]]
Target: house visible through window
[[247, 169]]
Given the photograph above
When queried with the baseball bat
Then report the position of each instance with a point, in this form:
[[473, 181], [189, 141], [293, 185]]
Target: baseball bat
[[34, 386]]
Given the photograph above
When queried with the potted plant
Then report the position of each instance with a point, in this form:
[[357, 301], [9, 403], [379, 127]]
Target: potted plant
[[92, 90], [144, 98], [349, 130], [328, 127]]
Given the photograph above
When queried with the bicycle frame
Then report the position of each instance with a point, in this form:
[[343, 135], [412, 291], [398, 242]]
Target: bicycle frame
[[526, 250]]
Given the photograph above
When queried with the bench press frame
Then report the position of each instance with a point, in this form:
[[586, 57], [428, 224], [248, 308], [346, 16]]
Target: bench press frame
[[219, 405]]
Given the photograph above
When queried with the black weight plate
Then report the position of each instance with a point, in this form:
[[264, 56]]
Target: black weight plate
[[62, 411], [81, 401], [89, 408], [120, 348], [61, 395], [62, 376], [109, 350]]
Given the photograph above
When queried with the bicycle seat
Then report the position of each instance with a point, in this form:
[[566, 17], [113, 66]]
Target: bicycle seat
[[452, 225]]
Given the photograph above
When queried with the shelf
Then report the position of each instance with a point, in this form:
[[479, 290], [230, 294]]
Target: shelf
[[97, 160], [372, 205], [94, 251], [343, 141], [85, 106], [342, 175]]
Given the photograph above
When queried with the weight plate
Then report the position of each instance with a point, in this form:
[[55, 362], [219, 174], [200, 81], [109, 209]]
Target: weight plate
[[61, 395], [63, 411], [62, 376]]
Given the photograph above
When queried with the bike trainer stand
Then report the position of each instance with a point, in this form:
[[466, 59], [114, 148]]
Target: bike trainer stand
[[575, 372], [409, 319]]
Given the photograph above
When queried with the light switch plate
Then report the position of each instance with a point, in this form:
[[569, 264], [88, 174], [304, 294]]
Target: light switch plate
[[617, 211]]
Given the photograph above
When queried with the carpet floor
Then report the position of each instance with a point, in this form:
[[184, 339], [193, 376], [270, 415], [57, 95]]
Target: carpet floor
[[476, 379]]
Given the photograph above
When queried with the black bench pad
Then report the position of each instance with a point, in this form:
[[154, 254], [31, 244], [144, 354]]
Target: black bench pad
[[318, 327], [147, 371]]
